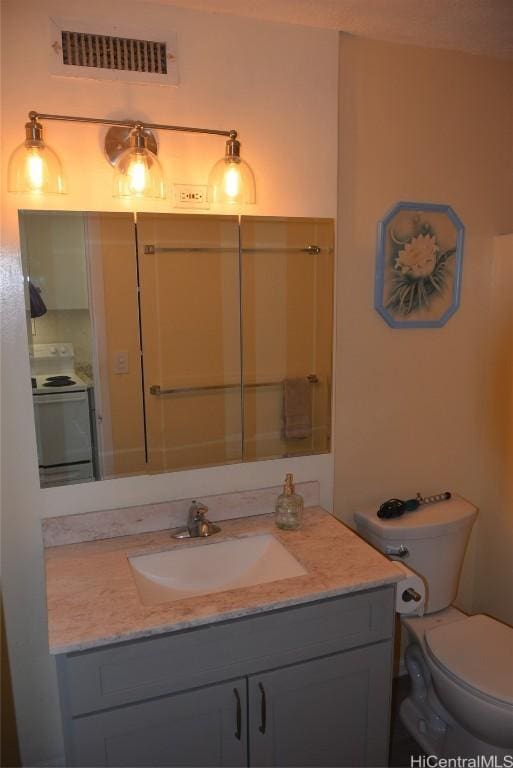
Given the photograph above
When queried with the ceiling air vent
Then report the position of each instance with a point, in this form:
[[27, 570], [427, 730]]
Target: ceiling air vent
[[85, 50], [110, 53]]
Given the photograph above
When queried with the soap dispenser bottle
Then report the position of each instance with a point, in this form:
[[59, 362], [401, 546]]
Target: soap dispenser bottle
[[289, 507]]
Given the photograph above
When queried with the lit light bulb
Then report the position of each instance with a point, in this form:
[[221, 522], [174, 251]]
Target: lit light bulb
[[232, 182], [231, 179], [138, 175], [137, 171], [34, 172], [34, 167]]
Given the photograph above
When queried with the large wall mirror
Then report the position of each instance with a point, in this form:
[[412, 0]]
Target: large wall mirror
[[161, 342]]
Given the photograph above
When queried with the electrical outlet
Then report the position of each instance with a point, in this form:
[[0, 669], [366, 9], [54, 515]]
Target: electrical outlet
[[191, 196]]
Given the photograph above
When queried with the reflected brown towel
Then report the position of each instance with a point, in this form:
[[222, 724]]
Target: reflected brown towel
[[297, 409]]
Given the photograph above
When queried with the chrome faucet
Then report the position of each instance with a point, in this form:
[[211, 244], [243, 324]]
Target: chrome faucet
[[197, 523]]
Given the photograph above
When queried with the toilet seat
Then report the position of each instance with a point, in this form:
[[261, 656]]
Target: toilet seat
[[476, 652]]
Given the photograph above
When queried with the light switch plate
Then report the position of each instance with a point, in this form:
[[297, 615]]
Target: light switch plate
[[121, 362]]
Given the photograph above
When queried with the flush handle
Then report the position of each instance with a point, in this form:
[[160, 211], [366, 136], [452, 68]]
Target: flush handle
[[400, 551], [411, 594]]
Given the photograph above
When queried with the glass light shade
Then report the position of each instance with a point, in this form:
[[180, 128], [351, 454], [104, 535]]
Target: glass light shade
[[138, 173], [34, 167], [231, 180]]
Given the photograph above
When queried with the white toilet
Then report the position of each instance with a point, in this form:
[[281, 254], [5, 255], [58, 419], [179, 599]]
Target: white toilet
[[460, 667]]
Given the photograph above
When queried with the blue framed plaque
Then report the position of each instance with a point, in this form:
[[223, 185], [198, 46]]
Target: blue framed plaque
[[418, 265]]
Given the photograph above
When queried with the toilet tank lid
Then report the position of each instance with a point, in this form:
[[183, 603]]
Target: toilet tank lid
[[423, 523], [478, 651]]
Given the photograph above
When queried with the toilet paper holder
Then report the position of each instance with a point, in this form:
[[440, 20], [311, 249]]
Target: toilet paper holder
[[400, 551]]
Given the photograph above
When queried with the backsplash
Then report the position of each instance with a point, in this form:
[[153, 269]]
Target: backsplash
[[107, 524], [73, 326]]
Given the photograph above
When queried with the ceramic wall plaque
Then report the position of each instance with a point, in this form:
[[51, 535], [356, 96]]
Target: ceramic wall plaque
[[418, 267]]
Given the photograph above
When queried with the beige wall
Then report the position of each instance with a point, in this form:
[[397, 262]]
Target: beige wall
[[260, 78], [431, 126]]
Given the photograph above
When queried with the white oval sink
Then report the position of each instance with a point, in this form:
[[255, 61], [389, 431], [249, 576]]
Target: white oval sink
[[194, 570]]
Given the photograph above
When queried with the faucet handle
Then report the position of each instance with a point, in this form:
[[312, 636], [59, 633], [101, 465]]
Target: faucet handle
[[198, 507], [197, 512], [197, 523]]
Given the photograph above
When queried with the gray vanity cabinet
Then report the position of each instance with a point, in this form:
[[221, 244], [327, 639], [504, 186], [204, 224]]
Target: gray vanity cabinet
[[326, 712], [204, 727], [307, 685]]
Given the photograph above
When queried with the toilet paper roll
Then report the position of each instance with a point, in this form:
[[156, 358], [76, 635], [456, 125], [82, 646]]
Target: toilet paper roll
[[404, 601]]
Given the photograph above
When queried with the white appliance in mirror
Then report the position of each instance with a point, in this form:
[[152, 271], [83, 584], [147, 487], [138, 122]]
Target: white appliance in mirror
[[62, 416]]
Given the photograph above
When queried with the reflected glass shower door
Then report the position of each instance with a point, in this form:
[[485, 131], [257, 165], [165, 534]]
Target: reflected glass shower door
[[190, 326], [287, 300], [118, 393]]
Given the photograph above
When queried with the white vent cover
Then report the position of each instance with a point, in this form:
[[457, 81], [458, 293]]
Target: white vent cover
[[101, 52], [85, 50]]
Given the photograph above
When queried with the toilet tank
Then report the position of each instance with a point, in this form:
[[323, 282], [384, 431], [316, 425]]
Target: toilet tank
[[433, 539]]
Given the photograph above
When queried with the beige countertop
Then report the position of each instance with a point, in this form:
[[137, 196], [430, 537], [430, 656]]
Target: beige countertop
[[92, 598]]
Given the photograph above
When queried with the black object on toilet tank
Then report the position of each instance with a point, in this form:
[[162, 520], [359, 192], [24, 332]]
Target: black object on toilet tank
[[396, 507]]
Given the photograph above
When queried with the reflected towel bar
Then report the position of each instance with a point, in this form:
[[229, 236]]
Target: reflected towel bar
[[315, 249], [156, 390], [152, 249]]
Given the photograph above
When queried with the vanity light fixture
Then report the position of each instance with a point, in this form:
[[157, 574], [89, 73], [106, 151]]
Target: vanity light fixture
[[34, 166], [131, 148], [231, 179], [137, 171]]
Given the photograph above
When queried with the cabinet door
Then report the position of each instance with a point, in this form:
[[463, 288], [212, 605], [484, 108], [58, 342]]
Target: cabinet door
[[332, 711], [55, 245], [204, 727]]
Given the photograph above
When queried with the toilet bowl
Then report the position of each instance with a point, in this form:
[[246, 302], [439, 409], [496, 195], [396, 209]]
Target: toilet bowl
[[460, 667]]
